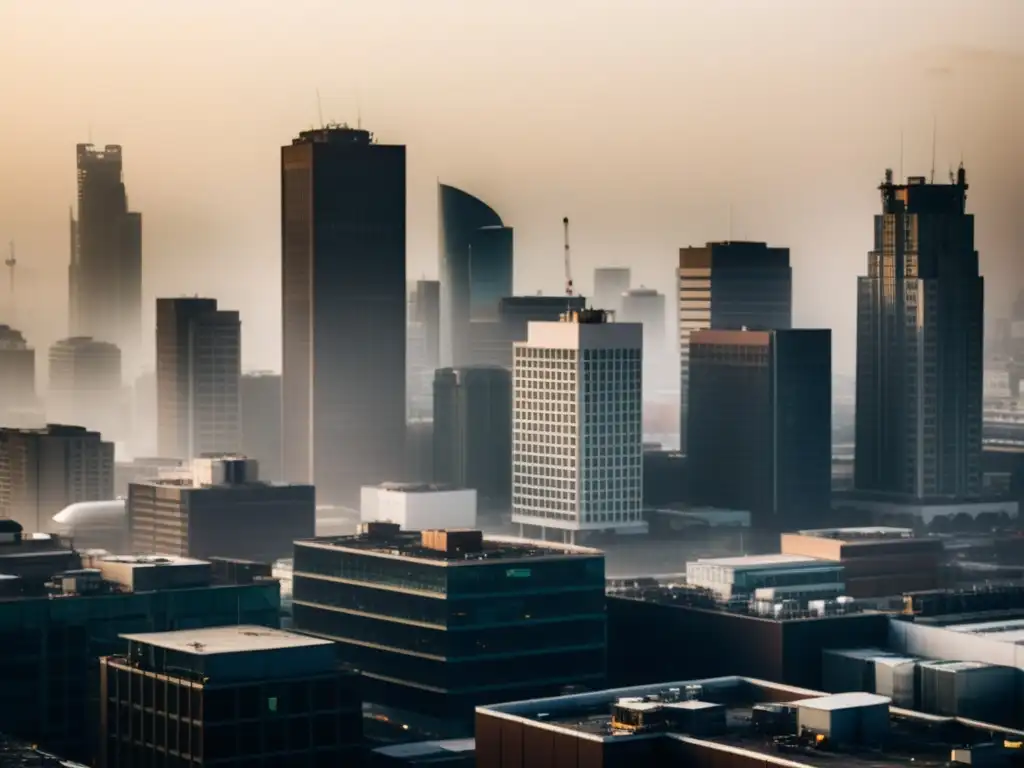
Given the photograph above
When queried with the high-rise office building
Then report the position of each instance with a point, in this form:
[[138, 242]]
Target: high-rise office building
[[729, 286], [1015, 344], [473, 432], [476, 266], [344, 305], [439, 622], [86, 386], [220, 509], [647, 307], [249, 695], [105, 273], [261, 421], [577, 447], [492, 342], [17, 374], [610, 283], [198, 373], [427, 312], [920, 337], [42, 471], [760, 424]]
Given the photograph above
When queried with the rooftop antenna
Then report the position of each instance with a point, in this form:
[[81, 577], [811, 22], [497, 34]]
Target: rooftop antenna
[[568, 263], [934, 125], [11, 263], [319, 109]]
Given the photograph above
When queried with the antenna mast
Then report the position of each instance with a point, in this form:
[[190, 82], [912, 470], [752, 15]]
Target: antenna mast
[[931, 180], [11, 263], [568, 263]]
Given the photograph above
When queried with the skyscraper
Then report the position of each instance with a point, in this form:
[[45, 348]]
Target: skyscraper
[[198, 372], [17, 374], [476, 266], [427, 304], [730, 286], [261, 421], [920, 336], [491, 342], [760, 424], [647, 307], [105, 274], [577, 447], [42, 471], [473, 431], [609, 285], [344, 310], [85, 386]]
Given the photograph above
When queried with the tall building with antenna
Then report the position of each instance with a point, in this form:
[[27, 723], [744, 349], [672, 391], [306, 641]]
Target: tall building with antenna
[[105, 272], [920, 336], [344, 311]]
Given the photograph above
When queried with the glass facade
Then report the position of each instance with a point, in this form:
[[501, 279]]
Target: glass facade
[[48, 667], [441, 637]]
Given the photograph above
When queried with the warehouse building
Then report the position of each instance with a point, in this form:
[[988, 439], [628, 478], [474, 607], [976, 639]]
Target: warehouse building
[[727, 721]]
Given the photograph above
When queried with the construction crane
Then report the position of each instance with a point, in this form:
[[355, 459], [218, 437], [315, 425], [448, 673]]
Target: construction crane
[[568, 262], [11, 263]]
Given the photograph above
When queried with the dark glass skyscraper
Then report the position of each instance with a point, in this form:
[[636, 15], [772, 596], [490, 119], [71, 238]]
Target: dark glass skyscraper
[[476, 265], [344, 310], [730, 286], [920, 336], [473, 431], [760, 424], [105, 274]]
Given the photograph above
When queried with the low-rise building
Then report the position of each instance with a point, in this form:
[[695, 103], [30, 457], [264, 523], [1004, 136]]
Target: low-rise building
[[789, 576], [419, 506], [252, 695], [441, 621], [220, 509], [876, 561], [732, 721]]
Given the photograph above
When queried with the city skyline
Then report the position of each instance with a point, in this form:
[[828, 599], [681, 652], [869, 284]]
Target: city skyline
[[205, 218]]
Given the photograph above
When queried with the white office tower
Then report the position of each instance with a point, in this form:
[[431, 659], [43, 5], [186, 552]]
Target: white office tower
[[647, 306], [576, 437]]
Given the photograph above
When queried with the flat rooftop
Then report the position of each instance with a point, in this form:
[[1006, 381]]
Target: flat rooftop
[[222, 640], [925, 740], [1003, 631], [761, 561], [152, 561], [874, 532], [409, 544]]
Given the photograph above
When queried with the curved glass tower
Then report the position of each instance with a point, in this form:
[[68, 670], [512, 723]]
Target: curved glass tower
[[476, 266]]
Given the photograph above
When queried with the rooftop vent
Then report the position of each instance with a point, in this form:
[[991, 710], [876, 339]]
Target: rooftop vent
[[380, 531]]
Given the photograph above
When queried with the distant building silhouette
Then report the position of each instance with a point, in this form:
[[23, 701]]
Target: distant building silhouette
[[344, 310], [730, 286], [491, 342], [105, 274], [42, 471], [920, 337], [473, 432], [476, 266], [85, 385], [198, 372], [261, 421], [427, 305], [760, 424], [609, 285], [17, 374], [577, 447], [647, 307], [424, 347]]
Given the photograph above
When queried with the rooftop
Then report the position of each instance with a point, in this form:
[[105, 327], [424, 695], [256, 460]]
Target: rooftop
[[417, 487], [760, 561], [865, 532], [220, 640], [18, 754], [152, 561], [409, 544], [925, 740]]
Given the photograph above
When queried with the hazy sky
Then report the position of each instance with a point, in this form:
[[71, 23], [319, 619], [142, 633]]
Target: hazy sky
[[641, 120]]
